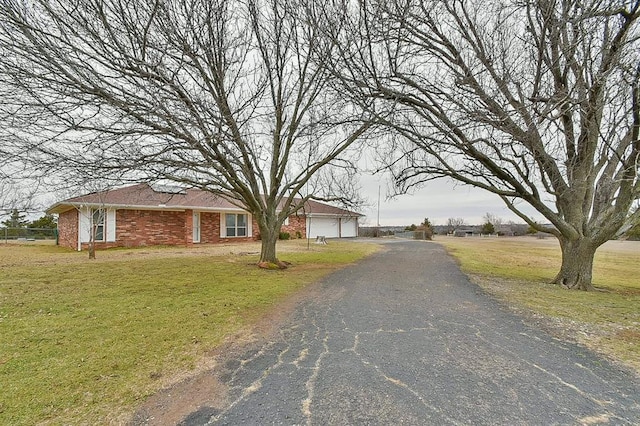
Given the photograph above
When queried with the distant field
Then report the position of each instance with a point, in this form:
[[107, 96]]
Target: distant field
[[518, 270], [82, 342]]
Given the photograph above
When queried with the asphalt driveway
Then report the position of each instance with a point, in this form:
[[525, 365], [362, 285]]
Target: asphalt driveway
[[404, 338]]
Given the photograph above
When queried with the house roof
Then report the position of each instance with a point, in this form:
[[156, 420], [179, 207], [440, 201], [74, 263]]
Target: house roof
[[315, 208], [162, 197]]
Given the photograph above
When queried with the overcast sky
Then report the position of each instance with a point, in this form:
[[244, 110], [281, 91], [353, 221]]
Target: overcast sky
[[438, 201]]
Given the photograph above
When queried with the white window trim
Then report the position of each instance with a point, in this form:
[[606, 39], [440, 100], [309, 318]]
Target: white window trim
[[110, 227], [93, 230], [223, 225], [85, 219], [196, 233]]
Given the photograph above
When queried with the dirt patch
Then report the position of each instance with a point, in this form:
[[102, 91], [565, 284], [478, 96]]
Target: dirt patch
[[171, 405]]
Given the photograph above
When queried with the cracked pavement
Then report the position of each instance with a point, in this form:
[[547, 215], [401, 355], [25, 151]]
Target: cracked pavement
[[403, 337]]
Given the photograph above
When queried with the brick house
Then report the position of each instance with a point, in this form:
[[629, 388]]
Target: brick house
[[142, 215]]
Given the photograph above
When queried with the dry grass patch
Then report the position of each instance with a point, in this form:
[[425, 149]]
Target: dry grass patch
[[82, 342], [518, 270]]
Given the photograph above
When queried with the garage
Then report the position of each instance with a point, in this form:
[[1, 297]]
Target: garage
[[332, 226], [349, 227]]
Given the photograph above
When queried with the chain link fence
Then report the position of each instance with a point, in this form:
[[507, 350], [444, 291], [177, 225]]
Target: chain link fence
[[374, 232], [28, 234], [412, 235]]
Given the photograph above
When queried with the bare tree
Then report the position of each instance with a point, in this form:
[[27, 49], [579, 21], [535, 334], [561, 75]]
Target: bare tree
[[492, 219], [453, 223], [537, 101], [220, 95], [16, 193], [18, 185]]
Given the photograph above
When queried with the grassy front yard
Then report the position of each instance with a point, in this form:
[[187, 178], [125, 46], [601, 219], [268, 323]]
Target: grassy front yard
[[518, 270], [83, 342]]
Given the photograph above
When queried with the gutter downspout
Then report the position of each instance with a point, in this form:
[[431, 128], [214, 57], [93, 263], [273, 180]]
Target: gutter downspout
[[79, 233]]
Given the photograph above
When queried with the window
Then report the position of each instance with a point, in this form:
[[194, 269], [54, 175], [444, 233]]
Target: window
[[196, 227], [236, 225], [97, 224]]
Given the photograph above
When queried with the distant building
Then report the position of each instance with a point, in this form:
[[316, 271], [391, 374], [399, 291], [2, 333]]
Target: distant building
[[465, 232]]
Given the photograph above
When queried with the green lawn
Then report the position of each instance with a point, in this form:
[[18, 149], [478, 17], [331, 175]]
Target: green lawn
[[518, 270], [84, 342]]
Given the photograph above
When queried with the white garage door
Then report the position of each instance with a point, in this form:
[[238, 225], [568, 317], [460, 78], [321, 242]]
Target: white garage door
[[332, 227], [325, 226], [349, 227]]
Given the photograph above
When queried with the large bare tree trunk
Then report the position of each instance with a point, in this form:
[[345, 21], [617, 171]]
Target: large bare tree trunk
[[268, 257], [269, 234], [577, 264]]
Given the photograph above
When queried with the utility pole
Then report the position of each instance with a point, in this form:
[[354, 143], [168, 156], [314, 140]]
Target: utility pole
[[378, 227], [378, 206]]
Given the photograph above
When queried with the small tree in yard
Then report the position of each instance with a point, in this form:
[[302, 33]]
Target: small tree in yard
[[428, 228], [488, 228], [535, 101], [225, 96]]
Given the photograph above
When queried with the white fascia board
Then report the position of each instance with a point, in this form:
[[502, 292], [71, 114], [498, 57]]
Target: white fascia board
[[332, 215], [159, 207], [216, 209]]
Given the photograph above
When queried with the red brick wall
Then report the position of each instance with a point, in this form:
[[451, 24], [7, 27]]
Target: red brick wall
[[187, 232], [209, 228], [68, 229], [296, 223], [136, 228], [147, 227]]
